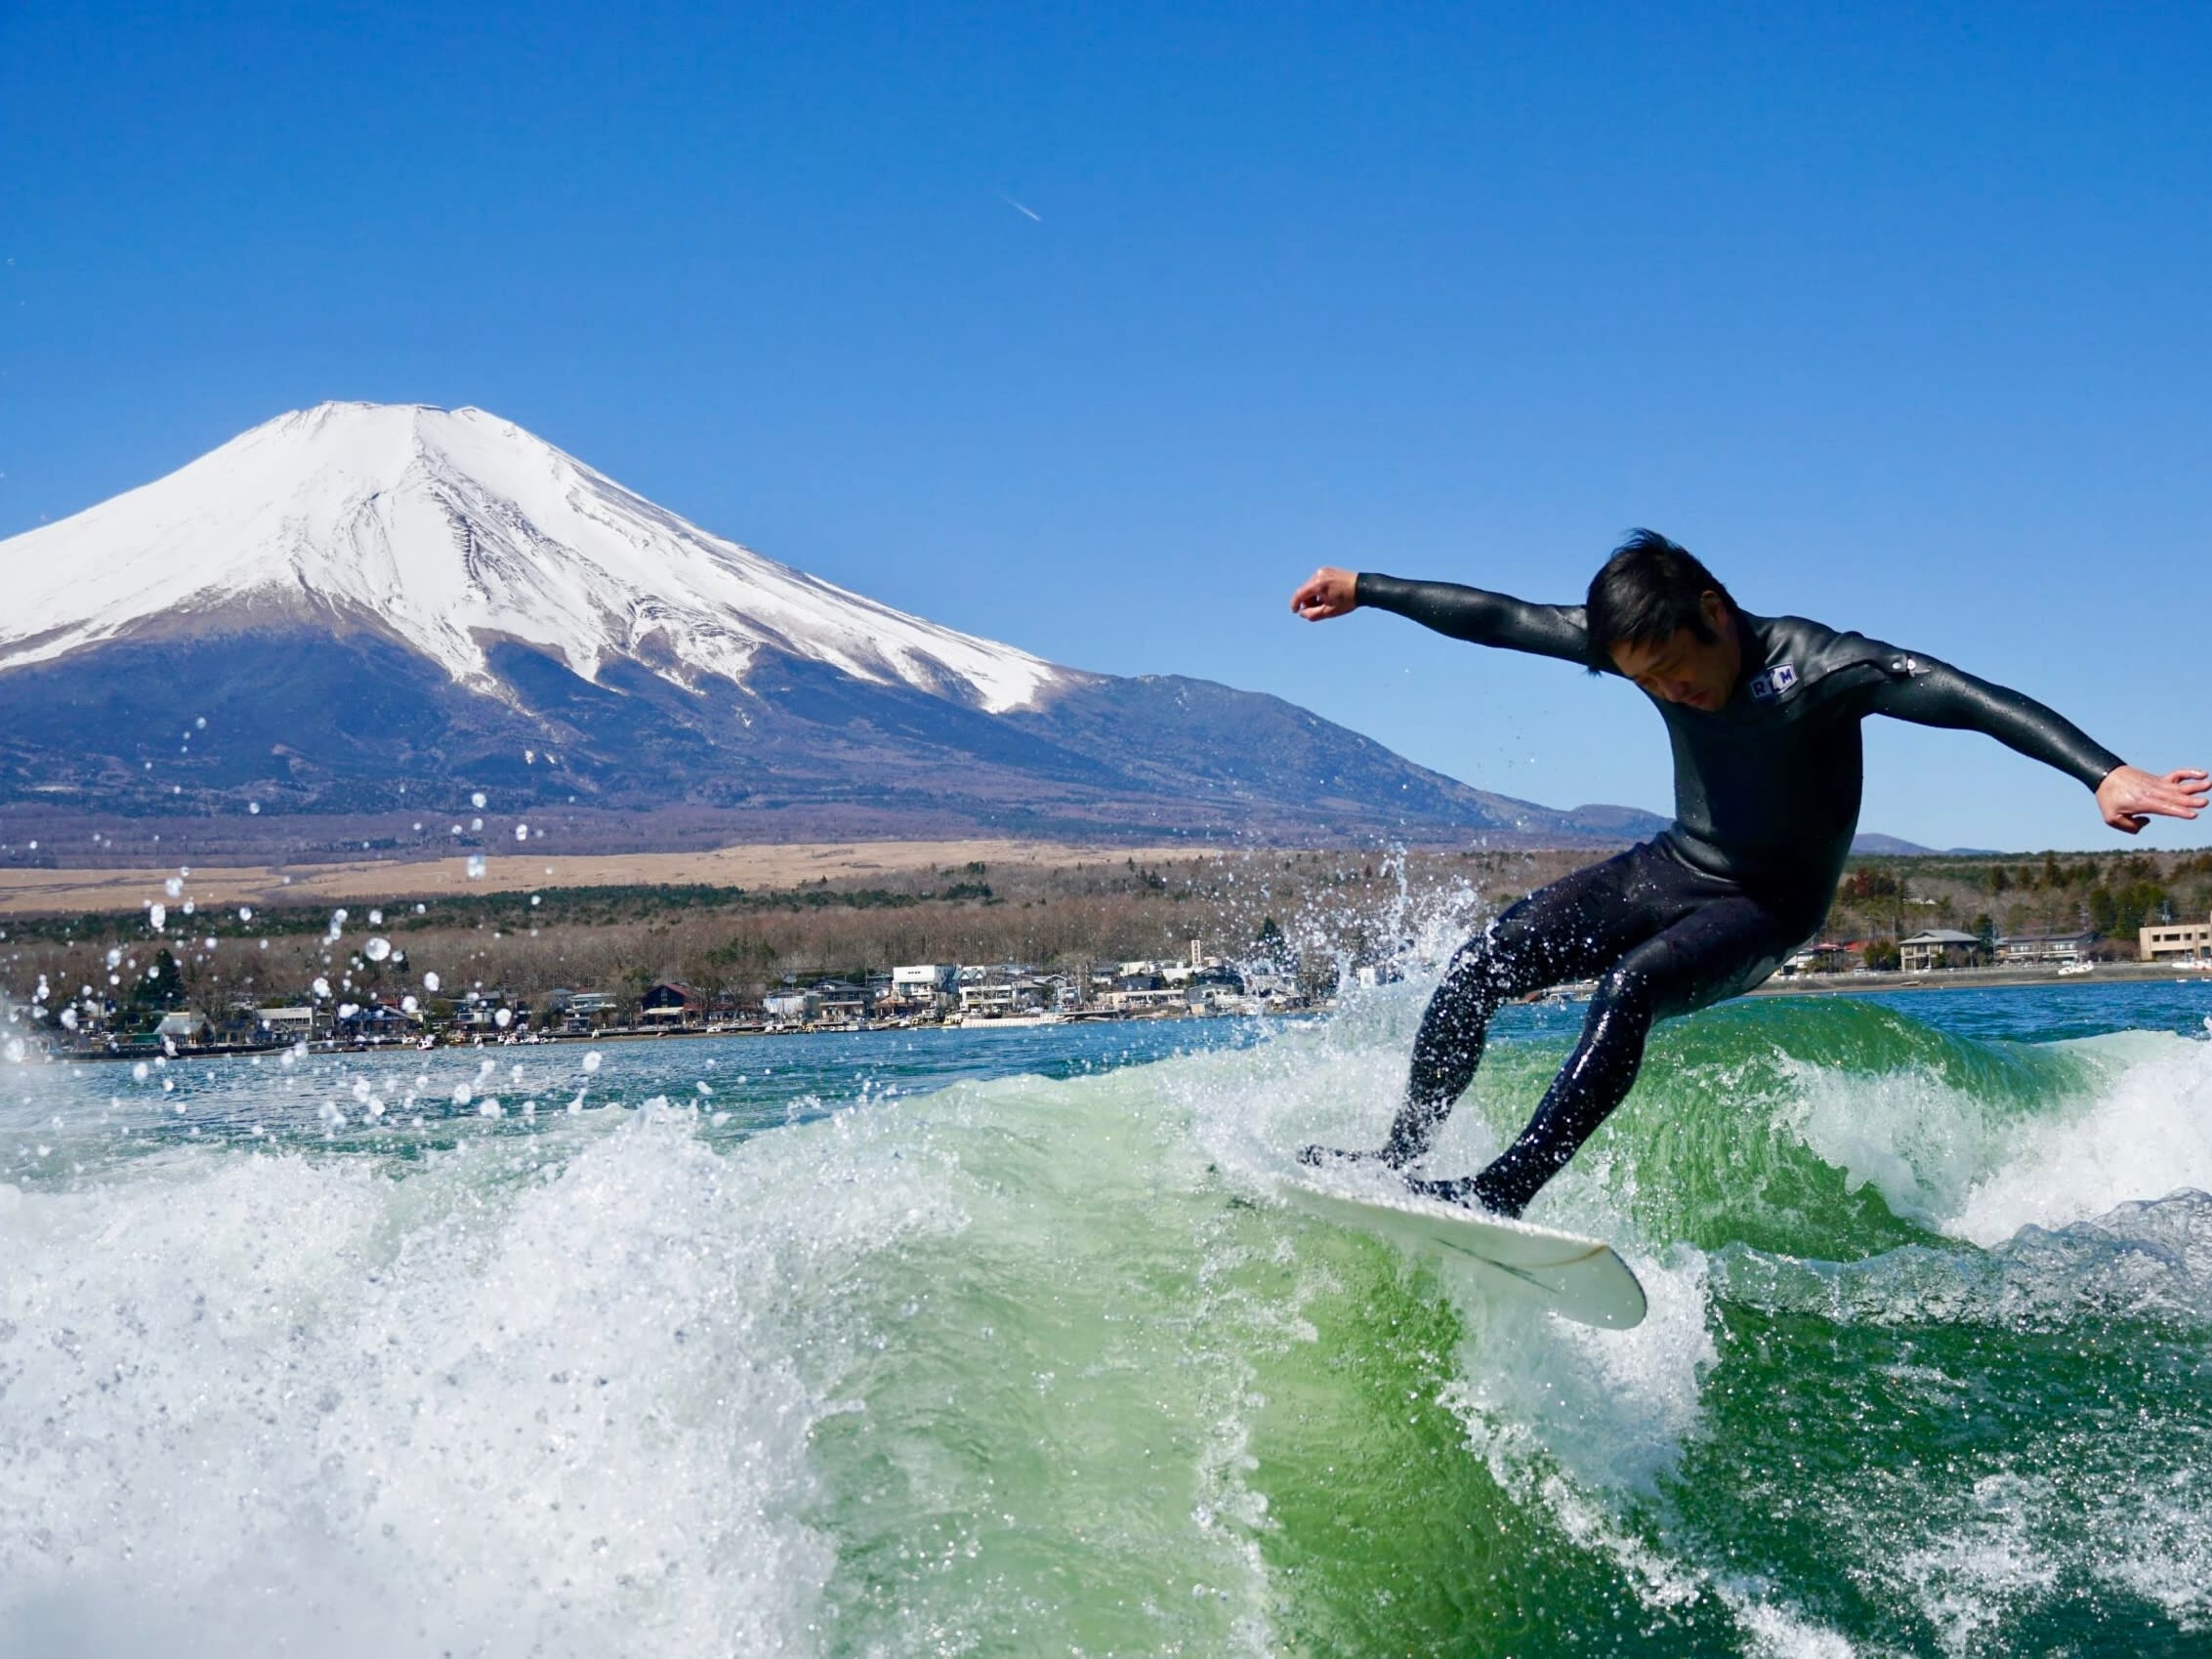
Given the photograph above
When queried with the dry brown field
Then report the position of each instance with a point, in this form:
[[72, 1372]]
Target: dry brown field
[[757, 868]]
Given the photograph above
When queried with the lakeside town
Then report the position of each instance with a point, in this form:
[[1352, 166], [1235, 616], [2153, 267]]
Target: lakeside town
[[1002, 995], [1008, 995], [978, 946]]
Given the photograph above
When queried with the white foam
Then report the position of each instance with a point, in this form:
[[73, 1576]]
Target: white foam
[[276, 1405], [2006, 1545], [1610, 1409], [1916, 1139], [2161, 1548], [1971, 1569], [1981, 1167], [2146, 1133], [1778, 1632]]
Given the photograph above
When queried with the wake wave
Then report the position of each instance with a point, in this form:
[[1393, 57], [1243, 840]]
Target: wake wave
[[1043, 1364]]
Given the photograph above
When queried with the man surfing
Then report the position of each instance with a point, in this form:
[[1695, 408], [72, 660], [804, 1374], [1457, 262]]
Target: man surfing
[[1762, 713]]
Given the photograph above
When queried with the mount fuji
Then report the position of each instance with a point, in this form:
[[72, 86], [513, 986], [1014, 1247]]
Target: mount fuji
[[359, 612]]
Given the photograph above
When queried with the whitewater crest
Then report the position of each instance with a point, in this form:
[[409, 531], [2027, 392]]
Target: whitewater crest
[[454, 529]]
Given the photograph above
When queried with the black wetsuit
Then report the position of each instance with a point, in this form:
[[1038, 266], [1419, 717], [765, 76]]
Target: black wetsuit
[[1766, 795]]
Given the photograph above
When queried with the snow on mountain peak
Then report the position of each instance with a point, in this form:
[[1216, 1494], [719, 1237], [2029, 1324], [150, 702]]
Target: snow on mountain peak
[[451, 529]]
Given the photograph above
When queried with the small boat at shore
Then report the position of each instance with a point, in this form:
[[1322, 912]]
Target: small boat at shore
[[1565, 995]]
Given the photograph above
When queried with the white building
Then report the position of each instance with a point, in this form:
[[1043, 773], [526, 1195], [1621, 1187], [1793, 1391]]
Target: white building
[[1012, 993], [2064, 948], [795, 1008], [924, 987], [1934, 949], [184, 1025], [2190, 940], [1822, 957]]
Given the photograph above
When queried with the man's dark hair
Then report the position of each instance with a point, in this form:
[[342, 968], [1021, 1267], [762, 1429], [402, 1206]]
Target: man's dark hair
[[1649, 589]]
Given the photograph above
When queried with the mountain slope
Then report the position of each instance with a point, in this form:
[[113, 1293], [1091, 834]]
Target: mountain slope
[[364, 611]]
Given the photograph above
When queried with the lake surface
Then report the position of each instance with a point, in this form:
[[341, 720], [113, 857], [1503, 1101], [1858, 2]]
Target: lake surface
[[1004, 1342]]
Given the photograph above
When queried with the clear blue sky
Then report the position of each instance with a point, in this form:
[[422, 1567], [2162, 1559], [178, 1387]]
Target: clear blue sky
[[1898, 316]]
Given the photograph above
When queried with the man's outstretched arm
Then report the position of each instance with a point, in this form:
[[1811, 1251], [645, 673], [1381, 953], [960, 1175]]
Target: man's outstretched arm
[[1935, 693], [1465, 613]]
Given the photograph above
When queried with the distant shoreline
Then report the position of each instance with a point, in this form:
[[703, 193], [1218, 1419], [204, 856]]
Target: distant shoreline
[[1974, 978], [147, 1051], [1799, 985]]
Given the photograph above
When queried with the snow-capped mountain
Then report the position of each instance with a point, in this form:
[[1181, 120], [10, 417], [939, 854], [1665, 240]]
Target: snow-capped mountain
[[367, 612], [451, 529]]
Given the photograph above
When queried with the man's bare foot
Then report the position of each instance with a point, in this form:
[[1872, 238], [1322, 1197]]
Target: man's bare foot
[[1323, 1157], [1326, 1157]]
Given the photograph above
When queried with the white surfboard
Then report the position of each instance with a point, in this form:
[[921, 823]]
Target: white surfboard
[[1583, 1279]]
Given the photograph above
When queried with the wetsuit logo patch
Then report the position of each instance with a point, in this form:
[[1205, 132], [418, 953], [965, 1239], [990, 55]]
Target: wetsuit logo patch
[[1777, 682]]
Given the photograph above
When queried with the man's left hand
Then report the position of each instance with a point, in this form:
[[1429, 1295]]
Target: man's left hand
[[2129, 794]]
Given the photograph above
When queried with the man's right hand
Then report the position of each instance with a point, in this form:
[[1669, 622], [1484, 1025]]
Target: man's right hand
[[1328, 592], [2129, 794]]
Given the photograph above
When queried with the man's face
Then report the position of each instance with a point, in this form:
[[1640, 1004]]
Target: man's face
[[1683, 668]]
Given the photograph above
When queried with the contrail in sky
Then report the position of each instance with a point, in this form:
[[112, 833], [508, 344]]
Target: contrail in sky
[[1019, 208]]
